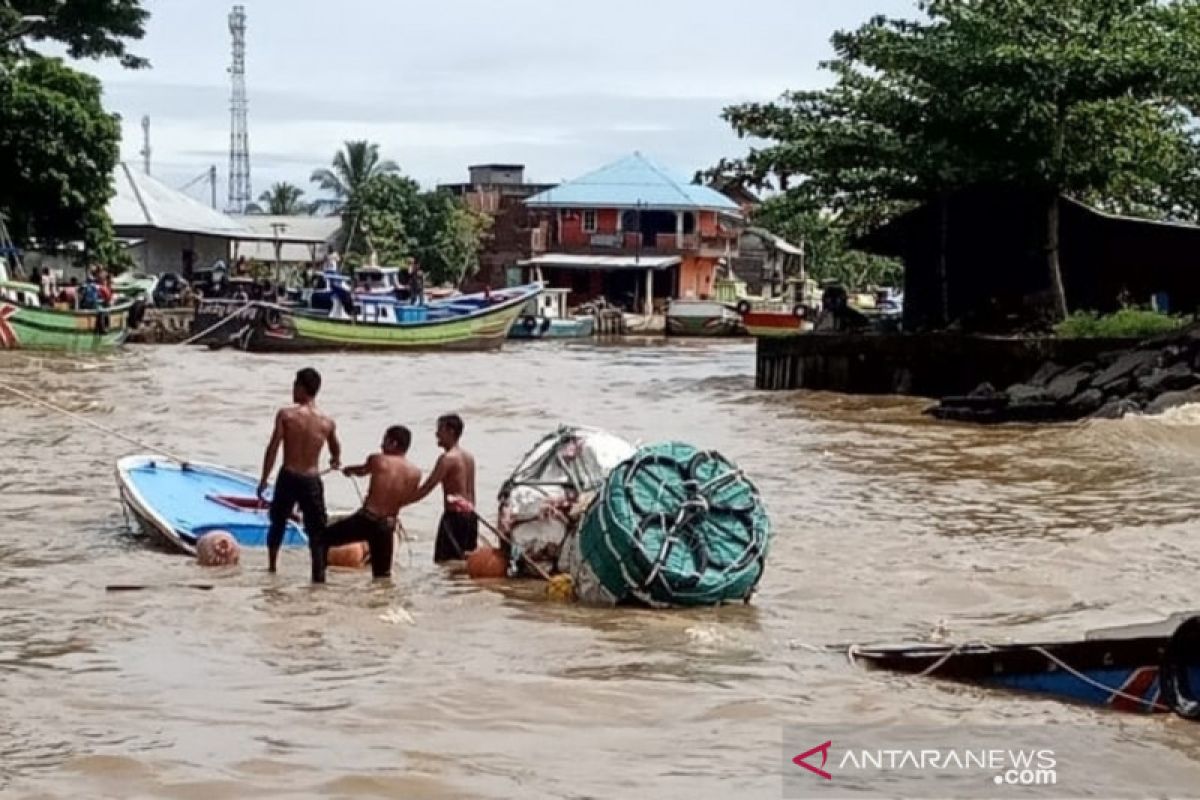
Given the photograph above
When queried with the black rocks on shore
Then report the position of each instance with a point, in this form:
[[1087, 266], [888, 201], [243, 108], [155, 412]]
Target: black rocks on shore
[[1157, 375]]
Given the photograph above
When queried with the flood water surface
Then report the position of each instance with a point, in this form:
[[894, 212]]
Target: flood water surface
[[888, 526]]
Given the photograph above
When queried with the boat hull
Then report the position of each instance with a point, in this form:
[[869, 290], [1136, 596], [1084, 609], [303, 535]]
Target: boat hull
[[703, 319], [470, 322], [177, 506], [574, 328], [766, 324], [1124, 674], [27, 328]]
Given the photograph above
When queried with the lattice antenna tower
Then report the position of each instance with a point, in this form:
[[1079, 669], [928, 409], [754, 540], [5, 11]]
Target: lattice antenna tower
[[146, 144], [239, 134]]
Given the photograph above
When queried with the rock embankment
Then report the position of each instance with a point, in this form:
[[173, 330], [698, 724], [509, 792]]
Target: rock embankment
[[1158, 375]]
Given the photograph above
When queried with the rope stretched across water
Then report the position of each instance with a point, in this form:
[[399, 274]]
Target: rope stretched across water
[[84, 420], [239, 314]]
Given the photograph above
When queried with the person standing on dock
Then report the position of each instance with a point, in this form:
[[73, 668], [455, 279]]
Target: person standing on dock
[[303, 430], [458, 532], [416, 286]]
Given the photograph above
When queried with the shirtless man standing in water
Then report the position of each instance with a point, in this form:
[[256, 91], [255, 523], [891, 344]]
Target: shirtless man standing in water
[[394, 483], [303, 431], [458, 532]]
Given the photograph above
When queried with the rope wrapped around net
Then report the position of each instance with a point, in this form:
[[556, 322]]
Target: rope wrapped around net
[[673, 526]]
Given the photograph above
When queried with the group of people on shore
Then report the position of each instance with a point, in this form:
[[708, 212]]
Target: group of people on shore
[[303, 432]]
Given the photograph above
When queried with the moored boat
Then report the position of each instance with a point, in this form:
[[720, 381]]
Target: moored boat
[[547, 317], [703, 318], [179, 504], [466, 322], [25, 325], [1142, 671]]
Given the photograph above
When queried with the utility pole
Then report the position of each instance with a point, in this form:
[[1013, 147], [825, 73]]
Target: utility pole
[[146, 144]]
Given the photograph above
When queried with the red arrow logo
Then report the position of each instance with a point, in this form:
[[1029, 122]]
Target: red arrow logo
[[800, 760], [8, 336]]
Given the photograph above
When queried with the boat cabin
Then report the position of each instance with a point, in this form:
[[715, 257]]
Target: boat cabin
[[550, 304], [377, 280]]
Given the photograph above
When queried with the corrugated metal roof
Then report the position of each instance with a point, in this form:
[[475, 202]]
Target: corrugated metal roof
[[298, 235], [632, 182], [562, 261], [145, 203]]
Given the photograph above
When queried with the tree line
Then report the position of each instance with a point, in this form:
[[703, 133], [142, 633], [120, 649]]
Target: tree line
[[1095, 99]]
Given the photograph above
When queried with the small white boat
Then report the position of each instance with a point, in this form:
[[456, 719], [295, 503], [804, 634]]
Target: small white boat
[[703, 318], [547, 317]]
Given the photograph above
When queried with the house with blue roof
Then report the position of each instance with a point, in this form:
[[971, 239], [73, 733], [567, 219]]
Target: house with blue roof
[[634, 231]]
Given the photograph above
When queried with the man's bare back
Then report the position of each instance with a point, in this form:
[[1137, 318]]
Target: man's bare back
[[305, 430], [394, 484], [458, 474]]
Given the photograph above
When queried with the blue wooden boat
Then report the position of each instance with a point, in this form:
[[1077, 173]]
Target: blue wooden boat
[[177, 505], [1138, 669]]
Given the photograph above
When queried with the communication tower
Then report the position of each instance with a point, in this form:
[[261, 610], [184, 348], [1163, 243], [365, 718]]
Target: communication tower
[[239, 135], [145, 154]]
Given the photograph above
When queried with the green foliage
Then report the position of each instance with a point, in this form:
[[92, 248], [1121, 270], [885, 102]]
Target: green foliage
[[58, 150], [384, 213], [448, 246], [283, 199], [351, 169], [392, 217], [1128, 323], [1092, 98], [826, 240], [88, 28]]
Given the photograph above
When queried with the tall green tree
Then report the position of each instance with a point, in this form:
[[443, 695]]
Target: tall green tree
[[451, 239], [58, 145], [88, 28], [283, 199], [1088, 97], [58, 151], [353, 166], [383, 215]]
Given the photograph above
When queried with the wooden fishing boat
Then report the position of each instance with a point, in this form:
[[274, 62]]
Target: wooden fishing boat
[[24, 325], [703, 318], [1128, 670], [466, 322], [177, 505]]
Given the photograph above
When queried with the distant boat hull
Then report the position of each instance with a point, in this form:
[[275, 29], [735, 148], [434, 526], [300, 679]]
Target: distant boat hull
[[27, 328], [527, 327], [703, 318]]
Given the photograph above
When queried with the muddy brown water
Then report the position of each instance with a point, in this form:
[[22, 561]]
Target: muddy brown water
[[888, 525]]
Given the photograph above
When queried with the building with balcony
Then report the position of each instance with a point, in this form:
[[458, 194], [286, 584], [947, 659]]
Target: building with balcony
[[633, 232]]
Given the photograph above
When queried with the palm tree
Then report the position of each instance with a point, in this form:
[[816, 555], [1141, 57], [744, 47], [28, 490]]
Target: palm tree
[[353, 166], [283, 199]]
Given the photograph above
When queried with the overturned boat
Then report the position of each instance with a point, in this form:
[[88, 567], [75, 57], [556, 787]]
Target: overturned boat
[[1147, 669]]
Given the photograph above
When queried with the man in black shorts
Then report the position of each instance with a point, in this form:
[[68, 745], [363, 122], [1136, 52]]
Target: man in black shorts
[[394, 483], [458, 532], [303, 431]]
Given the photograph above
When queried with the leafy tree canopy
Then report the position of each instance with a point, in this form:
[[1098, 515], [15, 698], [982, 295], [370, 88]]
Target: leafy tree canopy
[[1090, 97], [88, 28]]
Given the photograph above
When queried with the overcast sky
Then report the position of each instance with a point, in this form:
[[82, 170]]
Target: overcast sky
[[560, 86]]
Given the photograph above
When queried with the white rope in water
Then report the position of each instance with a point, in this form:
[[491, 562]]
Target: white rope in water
[[1095, 684], [84, 420]]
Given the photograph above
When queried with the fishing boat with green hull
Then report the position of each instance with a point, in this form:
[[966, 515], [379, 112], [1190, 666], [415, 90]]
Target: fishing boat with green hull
[[24, 325], [467, 322]]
